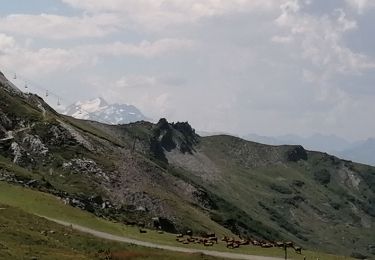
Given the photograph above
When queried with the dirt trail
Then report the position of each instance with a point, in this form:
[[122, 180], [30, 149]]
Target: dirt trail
[[158, 246]]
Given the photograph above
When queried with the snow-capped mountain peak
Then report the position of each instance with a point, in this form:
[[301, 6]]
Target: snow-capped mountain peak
[[98, 109]]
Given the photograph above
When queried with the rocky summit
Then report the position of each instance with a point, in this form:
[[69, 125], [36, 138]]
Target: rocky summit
[[98, 109], [143, 171]]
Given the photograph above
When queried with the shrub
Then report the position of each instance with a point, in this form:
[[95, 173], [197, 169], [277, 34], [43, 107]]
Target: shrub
[[322, 176], [358, 255], [281, 189]]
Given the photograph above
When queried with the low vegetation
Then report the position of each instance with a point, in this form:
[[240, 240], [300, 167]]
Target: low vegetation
[[25, 236]]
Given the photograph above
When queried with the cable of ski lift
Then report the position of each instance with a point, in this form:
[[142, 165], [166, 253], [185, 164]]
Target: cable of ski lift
[[29, 83]]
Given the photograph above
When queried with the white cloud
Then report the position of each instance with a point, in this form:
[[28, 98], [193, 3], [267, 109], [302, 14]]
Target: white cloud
[[157, 14], [60, 27], [197, 8], [41, 61], [282, 39], [361, 5], [144, 49], [281, 63], [136, 81], [33, 61], [6, 42], [320, 39]]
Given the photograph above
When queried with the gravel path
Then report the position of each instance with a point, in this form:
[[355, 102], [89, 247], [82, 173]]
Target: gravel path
[[158, 246]]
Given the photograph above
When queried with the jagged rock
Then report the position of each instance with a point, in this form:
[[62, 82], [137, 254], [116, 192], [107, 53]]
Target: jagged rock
[[296, 154], [167, 137], [34, 145], [203, 199], [17, 152], [84, 166]]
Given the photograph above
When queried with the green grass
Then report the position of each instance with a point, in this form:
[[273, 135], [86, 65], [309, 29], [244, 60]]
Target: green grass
[[25, 236], [47, 205], [259, 180]]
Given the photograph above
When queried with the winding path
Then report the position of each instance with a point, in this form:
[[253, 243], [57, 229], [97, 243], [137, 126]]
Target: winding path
[[158, 246]]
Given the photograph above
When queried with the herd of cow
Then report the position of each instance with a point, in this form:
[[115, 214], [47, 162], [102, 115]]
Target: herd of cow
[[211, 239]]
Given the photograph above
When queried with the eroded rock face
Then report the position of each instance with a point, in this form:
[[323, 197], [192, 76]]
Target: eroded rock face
[[34, 145], [5, 123], [17, 152], [77, 136], [84, 166], [167, 137], [296, 154]]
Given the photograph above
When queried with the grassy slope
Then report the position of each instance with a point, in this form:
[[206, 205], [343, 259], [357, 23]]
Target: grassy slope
[[241, 189], [250, 187], [22, 237], [44, 204], [100, 136]]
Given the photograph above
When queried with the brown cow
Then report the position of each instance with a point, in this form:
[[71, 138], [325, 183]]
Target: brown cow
[[288, 244], [266, 245], [298, 250], [208, 235], [213, 239], [208, 243], [244, 242], [255, 243]]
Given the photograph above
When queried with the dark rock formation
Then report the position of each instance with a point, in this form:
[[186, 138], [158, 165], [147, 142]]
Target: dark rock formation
[[296, 154]]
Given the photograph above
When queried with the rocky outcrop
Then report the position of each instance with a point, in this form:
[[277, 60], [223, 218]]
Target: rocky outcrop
[[84, 167], [296, 154], [167, 137]]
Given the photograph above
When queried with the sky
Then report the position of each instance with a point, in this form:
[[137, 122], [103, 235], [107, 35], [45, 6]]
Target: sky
[[270, 67]]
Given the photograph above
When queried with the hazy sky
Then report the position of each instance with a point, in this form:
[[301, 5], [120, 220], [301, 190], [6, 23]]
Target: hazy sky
[[269, 67]]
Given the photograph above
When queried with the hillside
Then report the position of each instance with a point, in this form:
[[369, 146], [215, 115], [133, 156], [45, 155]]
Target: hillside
[[219, 184], [358, 151], [25, 236]]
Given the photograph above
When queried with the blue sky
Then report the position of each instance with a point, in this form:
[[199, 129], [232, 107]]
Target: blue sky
[[270, 67]]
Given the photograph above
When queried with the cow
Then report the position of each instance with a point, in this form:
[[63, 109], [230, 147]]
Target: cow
[[208, 243], [289, 244], [213, 239], [266, 245], [255, 243], [244, 242], [298, 250]]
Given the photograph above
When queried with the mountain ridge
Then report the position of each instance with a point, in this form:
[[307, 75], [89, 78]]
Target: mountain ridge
[[98, 109], [358, 151], [140, 171]]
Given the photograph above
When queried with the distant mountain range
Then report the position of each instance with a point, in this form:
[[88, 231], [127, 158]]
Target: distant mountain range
[[360, 151], [363, 152], [99, 110]]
